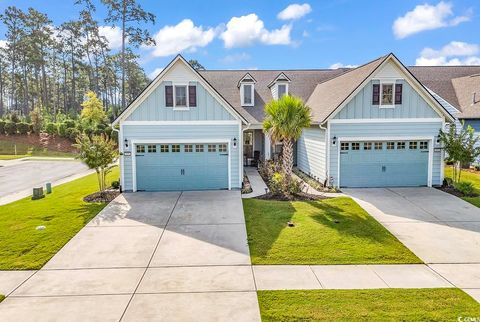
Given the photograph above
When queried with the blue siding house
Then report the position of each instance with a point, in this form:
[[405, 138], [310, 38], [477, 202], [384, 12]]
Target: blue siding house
[[373, 126]]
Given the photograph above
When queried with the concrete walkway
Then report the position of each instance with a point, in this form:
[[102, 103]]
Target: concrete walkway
[[258, 185], [148, 256], [441, 229]]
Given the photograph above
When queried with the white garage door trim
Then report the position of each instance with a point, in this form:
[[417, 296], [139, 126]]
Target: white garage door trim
[[390, 138], [181, 141]]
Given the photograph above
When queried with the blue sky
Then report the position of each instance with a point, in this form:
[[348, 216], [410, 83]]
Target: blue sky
[[314, 34]]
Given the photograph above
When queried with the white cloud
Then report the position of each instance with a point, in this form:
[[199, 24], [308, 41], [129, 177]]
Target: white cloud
[[184, 36], [454, 53], [113, 35], [340, 65], [234, 58], [155, 72], [3, 44], [248, 30], [427, 17], [294, 11]]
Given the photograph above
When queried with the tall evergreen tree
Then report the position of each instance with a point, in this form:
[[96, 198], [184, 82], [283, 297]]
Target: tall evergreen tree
[[126, 13]]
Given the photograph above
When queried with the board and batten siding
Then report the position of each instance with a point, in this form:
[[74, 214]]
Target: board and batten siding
[[361, 107], [386, 130], [183, 132], [153, 107], [311, 152]]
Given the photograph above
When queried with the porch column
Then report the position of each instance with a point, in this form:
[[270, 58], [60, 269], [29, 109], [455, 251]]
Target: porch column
[[268, 147]]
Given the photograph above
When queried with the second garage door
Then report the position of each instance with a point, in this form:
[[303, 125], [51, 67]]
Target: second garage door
[[384, 164], [175, 167]]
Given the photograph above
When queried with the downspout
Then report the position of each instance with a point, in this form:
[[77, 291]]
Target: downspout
[[327, 152], [120, 147]]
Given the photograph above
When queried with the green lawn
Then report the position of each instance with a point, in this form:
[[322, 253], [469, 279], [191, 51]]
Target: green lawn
[[8, 149], [331, 231], [367, 305], [63, 213], [11, 157], [467, 176]]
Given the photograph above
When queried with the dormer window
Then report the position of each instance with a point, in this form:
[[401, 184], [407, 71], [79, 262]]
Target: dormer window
[[247, 95], [279, 86], [282, 89], [247, 90]]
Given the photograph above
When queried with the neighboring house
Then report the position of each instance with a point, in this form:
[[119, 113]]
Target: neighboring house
[[373, 126], [457, 88]]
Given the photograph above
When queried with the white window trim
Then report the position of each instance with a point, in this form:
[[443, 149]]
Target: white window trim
[[286, 88], [180, 108], [242, 91], [387, 82]]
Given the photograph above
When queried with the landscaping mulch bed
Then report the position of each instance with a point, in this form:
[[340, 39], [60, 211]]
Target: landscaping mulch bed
[[452, 191], [296, 197], [105, 196]]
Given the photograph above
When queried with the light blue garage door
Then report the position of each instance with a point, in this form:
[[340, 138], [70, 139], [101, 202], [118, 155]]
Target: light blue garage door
[[172, 167], [384, 164]]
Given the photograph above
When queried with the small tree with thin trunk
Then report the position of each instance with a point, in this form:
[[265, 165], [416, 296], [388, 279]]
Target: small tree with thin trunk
[[285, 119], [99, 153], [461, 148]]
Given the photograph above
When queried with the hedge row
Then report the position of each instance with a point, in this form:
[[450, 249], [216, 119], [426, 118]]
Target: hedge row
[[65, 129]]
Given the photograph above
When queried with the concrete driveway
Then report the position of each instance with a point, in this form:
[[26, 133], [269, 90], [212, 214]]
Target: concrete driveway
[[18, 177], [441, 229], [148, 256]]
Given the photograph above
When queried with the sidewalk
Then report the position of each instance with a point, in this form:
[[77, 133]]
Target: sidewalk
[[302, 277]]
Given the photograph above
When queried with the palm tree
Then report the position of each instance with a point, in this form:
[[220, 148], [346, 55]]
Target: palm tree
[[285, 119]]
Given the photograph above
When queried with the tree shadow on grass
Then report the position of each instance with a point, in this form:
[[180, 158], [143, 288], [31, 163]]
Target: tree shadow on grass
[[265, 221], [351, 222]]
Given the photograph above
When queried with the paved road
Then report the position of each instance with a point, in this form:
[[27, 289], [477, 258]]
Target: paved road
[[441, 229], [17, 178], [148, 257]]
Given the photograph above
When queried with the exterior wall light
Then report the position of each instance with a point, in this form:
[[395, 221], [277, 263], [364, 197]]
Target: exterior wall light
[[126, 143], [334, 141], [234, 143]]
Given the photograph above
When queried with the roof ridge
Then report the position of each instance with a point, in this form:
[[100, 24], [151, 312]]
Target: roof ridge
[[275, 70]]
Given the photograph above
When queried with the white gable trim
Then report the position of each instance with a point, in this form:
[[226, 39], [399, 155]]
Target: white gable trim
[[158, 80], [282, 78], [412, 81], [247, 76]]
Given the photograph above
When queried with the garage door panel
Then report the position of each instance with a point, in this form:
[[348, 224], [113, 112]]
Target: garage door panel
[[182, 167], [377, 166]]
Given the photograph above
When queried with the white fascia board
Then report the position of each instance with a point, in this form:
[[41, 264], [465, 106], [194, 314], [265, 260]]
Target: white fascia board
[[157, 81]]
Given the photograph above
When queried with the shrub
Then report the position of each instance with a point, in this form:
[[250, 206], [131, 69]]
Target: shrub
[[69, 123], [62, 129], [10, 128], [282, 185], [465, 187], [2, 127], [71, 133], [52, 128], [115, 184], [23, 128]]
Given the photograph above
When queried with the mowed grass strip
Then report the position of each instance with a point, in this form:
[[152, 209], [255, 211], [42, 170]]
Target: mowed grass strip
[[63, 213], [467, 176], [444, 304], [330, 231]]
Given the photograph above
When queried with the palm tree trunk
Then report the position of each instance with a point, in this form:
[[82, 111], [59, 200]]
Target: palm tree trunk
[[287, 157]]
